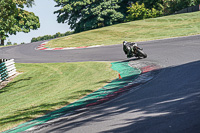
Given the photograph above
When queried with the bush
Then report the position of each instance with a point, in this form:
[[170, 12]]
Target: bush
[[138, 12], [47, 37]]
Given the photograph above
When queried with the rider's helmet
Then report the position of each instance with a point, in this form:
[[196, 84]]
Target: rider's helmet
[[124, 42]]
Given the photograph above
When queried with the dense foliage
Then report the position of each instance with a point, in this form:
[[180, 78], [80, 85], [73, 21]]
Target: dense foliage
[[84, 15], [171, 6], [137, 12], [168, 6], [47, 37], [13, 18]]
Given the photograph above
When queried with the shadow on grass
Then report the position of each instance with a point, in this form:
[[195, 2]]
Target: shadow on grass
[[30, 113], [83, 91], [9, 85], [103, 81]]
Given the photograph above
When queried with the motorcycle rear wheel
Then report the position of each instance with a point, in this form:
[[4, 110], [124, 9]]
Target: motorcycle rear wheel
[[141, 53]]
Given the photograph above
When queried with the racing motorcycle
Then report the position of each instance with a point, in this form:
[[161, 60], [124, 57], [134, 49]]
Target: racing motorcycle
[[132, 50]]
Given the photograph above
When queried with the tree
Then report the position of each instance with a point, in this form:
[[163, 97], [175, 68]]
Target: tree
[[137, 12], [7, 13], [13, 18], [84, 15], [46, 37], [169, 6], [9, 42], [58, 35], [156, 4], [124, 4]]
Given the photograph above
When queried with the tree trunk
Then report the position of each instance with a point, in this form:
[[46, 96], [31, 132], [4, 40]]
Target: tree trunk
[[2, 41]]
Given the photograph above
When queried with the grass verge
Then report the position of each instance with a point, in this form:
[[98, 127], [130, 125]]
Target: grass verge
[[46, 87], [142, 30]]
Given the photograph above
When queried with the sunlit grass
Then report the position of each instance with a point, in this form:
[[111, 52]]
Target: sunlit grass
[[142, 30], [45, 87]]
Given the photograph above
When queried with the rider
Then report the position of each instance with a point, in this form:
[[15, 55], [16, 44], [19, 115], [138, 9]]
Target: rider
[[128, 48]]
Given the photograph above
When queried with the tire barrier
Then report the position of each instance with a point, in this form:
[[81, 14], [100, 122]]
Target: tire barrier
[[7, 69]]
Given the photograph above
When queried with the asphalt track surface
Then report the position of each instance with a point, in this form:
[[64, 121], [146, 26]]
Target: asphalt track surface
[[167, 104]]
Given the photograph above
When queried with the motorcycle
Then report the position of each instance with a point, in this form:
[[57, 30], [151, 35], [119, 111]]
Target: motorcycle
[[132, 50]]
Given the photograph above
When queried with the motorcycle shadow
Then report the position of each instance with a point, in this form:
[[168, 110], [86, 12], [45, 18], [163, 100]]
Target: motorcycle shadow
[[132, 59]]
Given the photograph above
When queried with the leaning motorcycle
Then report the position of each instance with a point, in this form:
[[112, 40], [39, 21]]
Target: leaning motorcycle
[[132, 50]]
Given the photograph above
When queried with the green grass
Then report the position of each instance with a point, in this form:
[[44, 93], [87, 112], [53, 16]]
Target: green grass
[[143, 30], [7, 46], [42, 88]]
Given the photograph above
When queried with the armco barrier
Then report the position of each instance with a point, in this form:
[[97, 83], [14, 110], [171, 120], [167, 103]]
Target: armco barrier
[[189, 9], [7, 69]]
